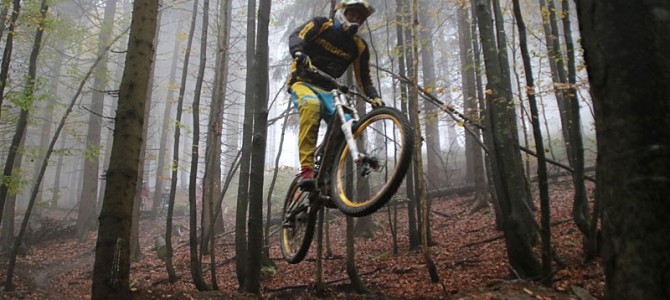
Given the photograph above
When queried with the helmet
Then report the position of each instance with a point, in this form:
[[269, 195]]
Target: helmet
[[342, 21]]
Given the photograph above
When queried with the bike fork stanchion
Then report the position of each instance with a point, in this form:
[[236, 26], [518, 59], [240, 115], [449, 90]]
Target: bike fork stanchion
[[347, 126]]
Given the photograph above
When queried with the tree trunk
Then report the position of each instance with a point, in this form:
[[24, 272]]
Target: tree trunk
[[135, 249], [28, 93], [356, 282], [4, 71], [432, 137], [402, 12], [547, 276], [418, 163], [486, 135], [259, 140], [245, 166], [4, 8], [196, 268], [473, 154], [580, 208], [89, 193], [505, 68], [630, 88], [163, 152], [7, 55], [175, 152], [7, 235], [212, 178], [518, 222], [112, 264], [555, 57], [319, 286]]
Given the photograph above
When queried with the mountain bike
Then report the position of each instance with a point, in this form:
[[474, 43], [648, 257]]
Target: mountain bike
[[359, 166]]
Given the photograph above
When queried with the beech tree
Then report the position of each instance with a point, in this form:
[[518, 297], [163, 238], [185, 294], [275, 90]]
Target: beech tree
[[631, 92], [89, 192], [245, 162], [196, 268], [28, 101], [259, 139], [510, 182]]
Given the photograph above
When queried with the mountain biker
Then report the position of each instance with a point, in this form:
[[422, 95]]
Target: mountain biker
[[331, 45]]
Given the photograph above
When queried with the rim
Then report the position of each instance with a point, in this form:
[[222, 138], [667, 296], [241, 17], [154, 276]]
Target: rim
[[343, 158]]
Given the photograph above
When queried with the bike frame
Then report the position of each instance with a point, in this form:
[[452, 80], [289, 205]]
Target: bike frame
[[342, 100]]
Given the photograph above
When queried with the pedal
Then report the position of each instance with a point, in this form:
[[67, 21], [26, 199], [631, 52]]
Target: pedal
[[328, 202]]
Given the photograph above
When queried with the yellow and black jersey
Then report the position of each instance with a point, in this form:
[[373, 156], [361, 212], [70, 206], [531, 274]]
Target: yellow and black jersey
[[332, 50]]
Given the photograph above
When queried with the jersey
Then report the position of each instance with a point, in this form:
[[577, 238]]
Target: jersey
[[331, 50]]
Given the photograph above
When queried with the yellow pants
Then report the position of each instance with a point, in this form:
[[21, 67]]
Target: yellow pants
[[309, 99]]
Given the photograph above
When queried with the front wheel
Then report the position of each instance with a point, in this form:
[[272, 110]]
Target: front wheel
[[297, 227], [385, 138]]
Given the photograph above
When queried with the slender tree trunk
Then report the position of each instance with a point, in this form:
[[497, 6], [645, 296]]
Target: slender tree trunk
[[175, 153], [163, 152], [580, 208], [245, 166], [89, 192], [319, 286], [268, 215], [547, 276], [356, 282], [364, 226], [45, 129], [393, 224], [196, 268], [7, 235], [473, 154], [418, 164], [570, 120], [28, 93], [59, 171], [212, 178], [405, 55], [4, 71], [430, 110], [4, 8], [7, 55], [555, 56], [259, 139]]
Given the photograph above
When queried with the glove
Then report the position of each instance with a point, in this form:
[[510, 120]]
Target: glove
[[303, 60], [377, 102]]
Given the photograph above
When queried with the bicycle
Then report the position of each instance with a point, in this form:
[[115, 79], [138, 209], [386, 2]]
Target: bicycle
[[358, 168]]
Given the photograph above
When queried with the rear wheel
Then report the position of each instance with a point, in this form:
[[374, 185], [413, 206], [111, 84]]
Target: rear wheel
[[298, 221], [386, 139]]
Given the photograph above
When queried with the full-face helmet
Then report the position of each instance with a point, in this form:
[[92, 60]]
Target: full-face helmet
[[350, 14]]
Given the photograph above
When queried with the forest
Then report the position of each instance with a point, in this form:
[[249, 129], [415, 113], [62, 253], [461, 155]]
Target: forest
[[150, 151]]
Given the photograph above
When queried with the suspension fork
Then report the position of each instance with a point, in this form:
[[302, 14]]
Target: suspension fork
[[347, 125]]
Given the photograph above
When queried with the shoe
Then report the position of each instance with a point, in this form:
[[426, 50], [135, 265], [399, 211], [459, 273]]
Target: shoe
[[306, 179]]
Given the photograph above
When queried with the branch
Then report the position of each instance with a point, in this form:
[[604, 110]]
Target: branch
[[493, 239], [452, 111]]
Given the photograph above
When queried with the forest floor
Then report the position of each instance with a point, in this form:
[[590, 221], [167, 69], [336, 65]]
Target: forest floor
[[469, 254]]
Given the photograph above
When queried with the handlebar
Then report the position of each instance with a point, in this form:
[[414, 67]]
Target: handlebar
[[342, 88]]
